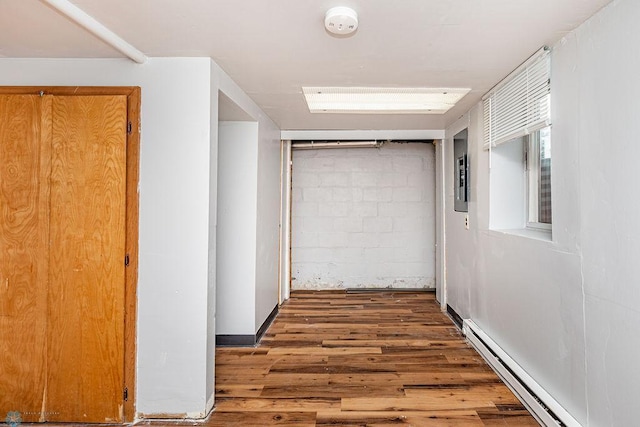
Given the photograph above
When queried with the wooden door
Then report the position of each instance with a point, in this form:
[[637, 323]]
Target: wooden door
[[25, 124], [85, 378], [62, 241]]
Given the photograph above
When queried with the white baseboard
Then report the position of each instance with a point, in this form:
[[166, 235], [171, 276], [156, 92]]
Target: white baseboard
[[541, 404]]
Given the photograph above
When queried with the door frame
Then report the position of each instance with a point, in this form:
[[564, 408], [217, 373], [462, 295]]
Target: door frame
[[284, 265], [133, 94]]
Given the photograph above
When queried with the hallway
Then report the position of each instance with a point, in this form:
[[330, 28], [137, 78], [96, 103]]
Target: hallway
[[361, 359]]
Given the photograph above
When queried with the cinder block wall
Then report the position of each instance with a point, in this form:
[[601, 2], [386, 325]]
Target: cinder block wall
[[364, 217]]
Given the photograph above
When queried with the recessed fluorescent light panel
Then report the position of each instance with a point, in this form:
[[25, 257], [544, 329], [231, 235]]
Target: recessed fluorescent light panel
[[382, 100]]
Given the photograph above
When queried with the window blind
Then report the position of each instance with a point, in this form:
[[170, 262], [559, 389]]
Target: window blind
[[519, 104]]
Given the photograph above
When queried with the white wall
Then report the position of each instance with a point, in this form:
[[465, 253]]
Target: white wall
[[178, 185], [268, 221], [364, 217], [604, 89], [236, 241], [174, 203], [266, 215], [567, 310]]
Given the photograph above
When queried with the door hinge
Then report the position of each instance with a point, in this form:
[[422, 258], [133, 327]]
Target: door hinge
[[129, 128], [126, 260], [125, 394]]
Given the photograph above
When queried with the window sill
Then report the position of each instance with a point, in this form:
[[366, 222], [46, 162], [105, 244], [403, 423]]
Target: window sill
[[530, 233]]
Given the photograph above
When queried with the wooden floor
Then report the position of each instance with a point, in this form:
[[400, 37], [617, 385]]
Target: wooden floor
[[361, 359], [382, 359]]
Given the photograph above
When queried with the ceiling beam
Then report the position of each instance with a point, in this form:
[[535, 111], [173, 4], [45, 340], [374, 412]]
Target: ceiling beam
[[89, 23]]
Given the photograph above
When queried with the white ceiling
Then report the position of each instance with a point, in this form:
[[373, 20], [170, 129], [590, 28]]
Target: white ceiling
[[272, 48]]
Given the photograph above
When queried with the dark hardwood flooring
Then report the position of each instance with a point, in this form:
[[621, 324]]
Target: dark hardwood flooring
[[333, 358]]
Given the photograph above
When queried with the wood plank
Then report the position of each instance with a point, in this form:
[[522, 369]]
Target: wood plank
[[260, 419], [25, 143], [374, 359], [86, 292], [459, 418], [134, 98]]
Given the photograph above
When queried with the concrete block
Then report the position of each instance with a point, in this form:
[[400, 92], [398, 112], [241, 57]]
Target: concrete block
[[407, 194], [316, 224], [377, 225], [334, 179], [364, 179], [378, 194], [364, 209], [342, 194], [333, 239], [348, 224], [395, 239], [335, 209], [316, 194], [300, 239], [350, 164], [378, 164], [314, 255], [312, 164], [407, 164], [305, 179], [421, 210], [363, 240], [392, 179], [419, 180], [409, 224], [375, 218], [377, 255], [393, 209], [300, 209], [296, 194], [347, 255]]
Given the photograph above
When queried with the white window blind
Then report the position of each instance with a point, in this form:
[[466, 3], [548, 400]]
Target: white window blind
[[519, 104]]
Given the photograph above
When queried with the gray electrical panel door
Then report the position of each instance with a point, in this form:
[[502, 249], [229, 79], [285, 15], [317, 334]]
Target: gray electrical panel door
[[461, 172]]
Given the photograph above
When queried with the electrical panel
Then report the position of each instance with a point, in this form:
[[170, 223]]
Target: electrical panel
[[461, 172]]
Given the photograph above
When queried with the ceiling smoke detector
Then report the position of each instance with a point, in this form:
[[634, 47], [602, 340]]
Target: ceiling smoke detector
[[341, 20]]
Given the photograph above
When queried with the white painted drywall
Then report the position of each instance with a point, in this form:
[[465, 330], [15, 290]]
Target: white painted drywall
[[364, 217], [268, 221], [212, 237], [567, 310], [236, 241], [178, 184], [607, 98], [262, 216], [507, 186], [265, 209], [174, 221]]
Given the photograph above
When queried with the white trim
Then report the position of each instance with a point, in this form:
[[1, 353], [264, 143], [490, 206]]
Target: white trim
[[316, 145], [530, 393], [441, 235], [284, 276], [317, 135], [89, 23]]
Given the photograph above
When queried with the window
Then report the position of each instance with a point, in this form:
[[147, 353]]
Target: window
[[538, 176], [516, 121], [519, 104]]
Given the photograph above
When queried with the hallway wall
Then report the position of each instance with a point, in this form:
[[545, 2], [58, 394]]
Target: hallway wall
[[178, 182], [565, 308], [364, 217]]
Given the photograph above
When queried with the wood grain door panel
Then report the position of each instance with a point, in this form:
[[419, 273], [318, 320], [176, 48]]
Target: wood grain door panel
[[86, 273], [24, 201]]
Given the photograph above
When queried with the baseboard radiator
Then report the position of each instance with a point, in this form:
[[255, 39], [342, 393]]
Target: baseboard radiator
[[542, 406]]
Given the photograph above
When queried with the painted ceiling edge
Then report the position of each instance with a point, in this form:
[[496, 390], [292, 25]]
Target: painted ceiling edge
[[89, 23]]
